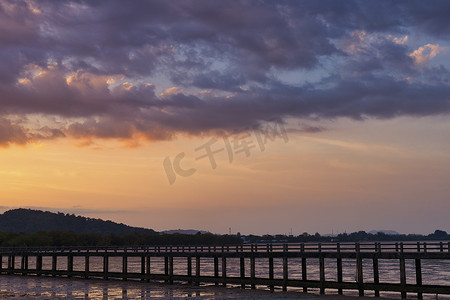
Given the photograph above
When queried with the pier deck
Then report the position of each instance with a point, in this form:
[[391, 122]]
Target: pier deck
[[278, 256]]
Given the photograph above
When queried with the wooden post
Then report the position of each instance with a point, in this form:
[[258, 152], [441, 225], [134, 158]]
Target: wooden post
[[403, 276], [304, 274], [166, 266], [148, 267], [285, 273], [143, 267], [124, 266], [285, 267], [419, 276], [359, 270], [38, 265], [339, 273], [242, 268], [216, 266], [322, 274], [54, 264], [376, 275], [189, 268], [339, 267], [271, 272], [197, 270], [253, 271], [171, 270], [10, 258], [105, 266], [224, 270], [24, 264], [69, 265], [86, 266]]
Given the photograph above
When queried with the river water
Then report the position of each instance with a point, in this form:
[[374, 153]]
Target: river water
[[434, 272]]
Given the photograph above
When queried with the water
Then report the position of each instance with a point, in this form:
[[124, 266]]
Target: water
[[435, 272], [17, 287]]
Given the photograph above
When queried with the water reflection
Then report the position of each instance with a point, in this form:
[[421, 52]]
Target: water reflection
[[434, 272], [17, 287]]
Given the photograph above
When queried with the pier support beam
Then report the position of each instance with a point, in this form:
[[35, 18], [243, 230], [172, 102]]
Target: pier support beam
[[24, 264], [147, 260], [171, 270], [166, 267], [10, 264], [216, 267], [39, 265], [359, 271], [105, 266], [419, 276], [224, 270], [54, 263], [142, 267], [124, 267], [339, 273], [86, 266], [304, 273], [242, 268], [189, 268], [322, 274], [197, 270], [403, 276], [253, 271], [69, 265], [285, 273], [272, 288], [376, 275]]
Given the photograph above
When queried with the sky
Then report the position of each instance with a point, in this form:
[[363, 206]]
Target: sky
[[250, 116]]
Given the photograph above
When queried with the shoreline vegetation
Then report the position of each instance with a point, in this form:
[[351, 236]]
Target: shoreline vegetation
[[70, 238], [33, 228]]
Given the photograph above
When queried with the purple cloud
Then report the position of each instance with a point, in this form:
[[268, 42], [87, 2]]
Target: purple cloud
[[102, 65]]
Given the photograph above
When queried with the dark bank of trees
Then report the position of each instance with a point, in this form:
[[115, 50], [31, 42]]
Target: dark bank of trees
[[68, 238], [360, 236], [30, 220]]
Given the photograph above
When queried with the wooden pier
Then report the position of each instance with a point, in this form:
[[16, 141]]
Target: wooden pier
[[277, 256]]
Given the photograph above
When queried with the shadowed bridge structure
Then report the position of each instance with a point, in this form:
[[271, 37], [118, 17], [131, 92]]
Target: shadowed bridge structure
[[17, 261]]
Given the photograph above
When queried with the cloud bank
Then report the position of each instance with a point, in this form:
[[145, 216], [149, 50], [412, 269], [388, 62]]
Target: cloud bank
[[158, 69]]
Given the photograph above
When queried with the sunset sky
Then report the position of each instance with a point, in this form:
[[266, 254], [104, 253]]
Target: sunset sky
[[351, 100]]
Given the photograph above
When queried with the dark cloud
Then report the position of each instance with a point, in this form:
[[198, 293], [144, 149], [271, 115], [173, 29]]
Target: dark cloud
[[13, 133], [102, 65]]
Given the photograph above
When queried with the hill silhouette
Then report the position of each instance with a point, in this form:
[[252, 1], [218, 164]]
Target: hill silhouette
[[31, 221]]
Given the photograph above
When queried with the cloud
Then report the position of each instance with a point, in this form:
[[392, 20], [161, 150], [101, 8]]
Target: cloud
[[154, 70], [11, 133], [425, 53], [14, 133], [172, 91]]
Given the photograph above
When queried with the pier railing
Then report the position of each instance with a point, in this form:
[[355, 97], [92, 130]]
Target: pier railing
[[276, 256], [369, 247]]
